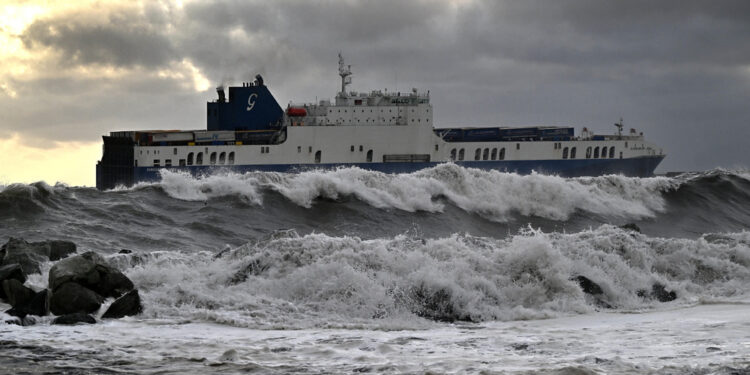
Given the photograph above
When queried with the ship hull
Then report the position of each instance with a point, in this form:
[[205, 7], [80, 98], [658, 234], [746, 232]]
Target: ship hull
[[633, 167]]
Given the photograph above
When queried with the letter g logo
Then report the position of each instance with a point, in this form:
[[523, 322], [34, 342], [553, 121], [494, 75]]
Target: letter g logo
[[251, 101]]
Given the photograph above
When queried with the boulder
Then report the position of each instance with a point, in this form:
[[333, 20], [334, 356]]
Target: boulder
[[72, 297], [631, 227], [659, 292], [27, 255], [92, 271], [8, 272], [75, 318], [59, 249], [593, 289], [38, 305], [17, 294], [127, 305]]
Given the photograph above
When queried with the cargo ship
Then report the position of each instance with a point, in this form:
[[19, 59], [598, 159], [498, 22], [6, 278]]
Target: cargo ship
[[247, 130]]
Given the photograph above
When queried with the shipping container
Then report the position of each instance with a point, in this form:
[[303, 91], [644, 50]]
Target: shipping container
[[172, 137]]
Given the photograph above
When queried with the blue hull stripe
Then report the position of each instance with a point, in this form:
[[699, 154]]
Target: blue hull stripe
[[634, 167]]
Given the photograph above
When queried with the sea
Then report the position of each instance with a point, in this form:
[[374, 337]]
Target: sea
[[445, 270]]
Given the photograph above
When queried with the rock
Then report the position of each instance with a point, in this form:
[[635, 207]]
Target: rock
[[593, 289], [127, 305], [92, 271], [10, 271], [72, 297], [59, 249], [588, 286], [38, 305], [435, 304], [631, 227], [17, 294], [125, 251], [27, 255], [69, 319], [660, 293]]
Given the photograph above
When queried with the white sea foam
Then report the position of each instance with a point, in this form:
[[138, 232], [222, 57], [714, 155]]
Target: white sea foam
[[317, 280], [492, 194]]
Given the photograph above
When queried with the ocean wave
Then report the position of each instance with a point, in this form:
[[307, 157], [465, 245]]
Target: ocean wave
[[492, 194], [316, 280]]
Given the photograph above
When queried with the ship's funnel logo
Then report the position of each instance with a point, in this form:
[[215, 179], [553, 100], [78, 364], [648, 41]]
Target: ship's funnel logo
[[251, 101]]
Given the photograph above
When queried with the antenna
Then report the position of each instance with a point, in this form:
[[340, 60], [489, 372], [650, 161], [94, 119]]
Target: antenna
[[345, 71], [619, 127]]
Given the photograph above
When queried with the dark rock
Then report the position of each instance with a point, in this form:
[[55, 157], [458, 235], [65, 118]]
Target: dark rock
[[593, 289], [631, 227], [59, 249], [659, 292], [27, 255], [69, 319], [588, 286], [125, 251], [127, 305], [17, 294], [10, 271], [72, 298], [38, 305], [21, 321], [92, 271], [436, 305]]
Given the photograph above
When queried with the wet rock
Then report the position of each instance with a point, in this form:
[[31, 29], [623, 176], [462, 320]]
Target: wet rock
[[631, 227], [593, 289], [39, 305], [72, 297], [127, 305], [8, 272], [660, 293], [27, 255], [75, 318], [59, 249], [17, 294], [125, 251], [92, 271], [436, 305], [588, 286]]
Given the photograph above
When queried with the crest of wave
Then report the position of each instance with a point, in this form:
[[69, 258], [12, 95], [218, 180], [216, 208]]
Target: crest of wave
[[492, 194], [294, 281]]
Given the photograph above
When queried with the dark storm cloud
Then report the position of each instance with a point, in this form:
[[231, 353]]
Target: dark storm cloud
[[679, 70], [123, 39]]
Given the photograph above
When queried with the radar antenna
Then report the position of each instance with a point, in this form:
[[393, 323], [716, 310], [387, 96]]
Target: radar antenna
[[345, 71], [619, 127]]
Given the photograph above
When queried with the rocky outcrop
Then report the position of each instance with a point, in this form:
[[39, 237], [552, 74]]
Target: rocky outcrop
[[72, 297], [91, 271], [30, 255], [592, 289], [127, 305]]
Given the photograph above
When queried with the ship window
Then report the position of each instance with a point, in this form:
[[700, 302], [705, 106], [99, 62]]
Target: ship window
[[502, 154], [604, 152], [461, 154], [436, 147], [213, 158], [317, 156], [231, 157], [369, 156], [175, 150], [626, 144], [588, 152], [612, 152], [361, 148], [309, 149], [596, 152], [493, 155], [190, 158], [486, 154], [352, 149], [573, 153], [168, 162], [518, 146], [477, 154], [199, 158], [565, 153], [299, 148], [182, 162], [620, 155], [222, 157], [453, 154], [156, 162]]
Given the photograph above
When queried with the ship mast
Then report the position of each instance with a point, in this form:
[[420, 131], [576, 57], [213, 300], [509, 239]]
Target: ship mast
[[345, 71]]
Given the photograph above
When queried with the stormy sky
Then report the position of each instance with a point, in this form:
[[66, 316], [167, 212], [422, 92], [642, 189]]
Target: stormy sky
[[677, 70]]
